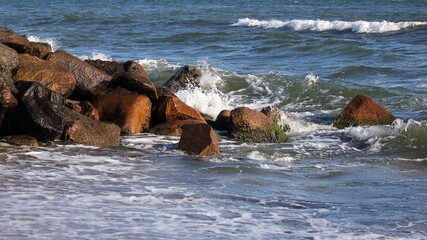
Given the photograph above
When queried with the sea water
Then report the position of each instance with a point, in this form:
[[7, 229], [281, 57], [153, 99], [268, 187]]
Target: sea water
[[308, 58]]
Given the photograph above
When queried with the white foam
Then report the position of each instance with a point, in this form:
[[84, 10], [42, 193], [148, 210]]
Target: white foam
[[97, 56], [311, 79], [325, 25], [55, 44], [151, 65]]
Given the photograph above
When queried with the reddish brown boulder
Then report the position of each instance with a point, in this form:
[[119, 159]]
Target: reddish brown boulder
[[184, 77], [7, 102], [22, 140], [135, 68], [222, 120], [90, 80], [199, 139], [362, 110], [173, 128], [248, 125], [9, 61], [13, 40], [171, 108], [81, 129], [48, 74], [131, 112], [38, 49]]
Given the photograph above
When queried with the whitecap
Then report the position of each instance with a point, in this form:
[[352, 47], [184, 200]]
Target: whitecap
[[96, 56], [326, 25], [55, 44]]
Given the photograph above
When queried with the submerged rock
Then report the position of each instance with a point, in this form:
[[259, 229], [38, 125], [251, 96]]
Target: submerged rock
[[172, 128], [81, 129], [22, 140], [362, 110], [90, 80], [199, 139], [132, 112], [171, 108], [248, 125], [48, 74], [184, 77], [13, 40]]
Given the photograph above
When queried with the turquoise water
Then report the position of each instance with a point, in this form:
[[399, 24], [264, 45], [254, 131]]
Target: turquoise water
[[307, 58]]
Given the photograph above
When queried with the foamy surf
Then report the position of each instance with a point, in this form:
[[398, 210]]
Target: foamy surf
[[325, 25], [55, 44]]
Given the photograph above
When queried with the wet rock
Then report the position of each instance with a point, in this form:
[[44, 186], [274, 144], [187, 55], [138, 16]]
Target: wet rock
[[222, 120], [362, 110], [275, 114], [88, 110], [199, 139], [172, 128], [13, 40], [38, 49], [112, 68], [48, 74], [40, 113], [9, 62], [164, 91], [90, 80], [22, 140], [171, 108], [135, 68], [248, 125], [83, 130], [132, 112], [7, 102], [184, 77]]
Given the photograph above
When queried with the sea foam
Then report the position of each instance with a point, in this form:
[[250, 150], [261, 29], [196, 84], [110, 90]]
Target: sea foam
[[55, 44], [324, 25]]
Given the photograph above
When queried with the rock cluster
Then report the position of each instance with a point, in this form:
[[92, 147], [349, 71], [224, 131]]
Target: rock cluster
[[46, 96]]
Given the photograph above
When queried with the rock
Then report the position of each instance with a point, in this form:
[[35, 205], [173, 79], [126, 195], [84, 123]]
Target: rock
[[7, 102], [172, 128], [90, 80], [81, 129], [222, 120], [40, 113], [48, 74], [22, 140], [112, 68], [248, 125], [131, 112], [137, 84], [164, 91], [9, 61], [13, 40], [275, 114], [171, 108], [38, 49], [135, 68], [199, 139], [88, 110], [184, 77], [362, 110]]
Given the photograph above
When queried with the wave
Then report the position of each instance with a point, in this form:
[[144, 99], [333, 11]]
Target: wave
[[55, 44], [325, 25]]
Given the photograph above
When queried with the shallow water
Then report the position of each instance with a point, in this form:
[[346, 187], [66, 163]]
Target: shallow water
[[307, 58]]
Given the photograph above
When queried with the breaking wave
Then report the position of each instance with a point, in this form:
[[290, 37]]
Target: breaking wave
[[325, 25]]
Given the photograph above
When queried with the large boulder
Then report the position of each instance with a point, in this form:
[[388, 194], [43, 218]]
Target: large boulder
[[48, 74], [38, 49], [171, 108], [184, 77], [84, 130], [222, 120], [362, 110], [9, 62], [132, 112], [90, 80], [13, 40], [40, 113], [172, 128], [199, 139], [112, 68], [248, 125]]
